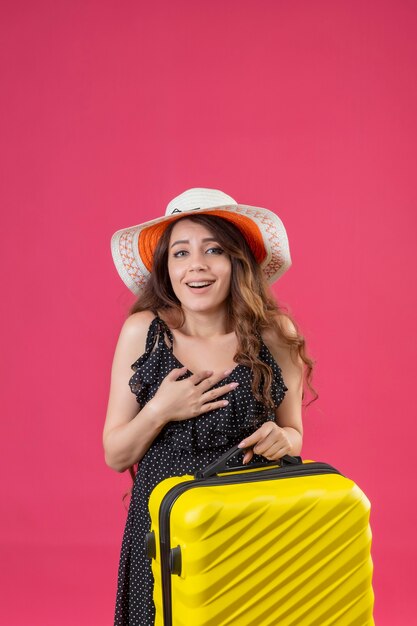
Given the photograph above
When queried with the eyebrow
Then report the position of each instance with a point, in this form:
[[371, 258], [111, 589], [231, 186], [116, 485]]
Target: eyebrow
[[205, 240]]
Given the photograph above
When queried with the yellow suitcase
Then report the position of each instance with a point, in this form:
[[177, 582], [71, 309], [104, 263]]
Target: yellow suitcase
[[278, 544]]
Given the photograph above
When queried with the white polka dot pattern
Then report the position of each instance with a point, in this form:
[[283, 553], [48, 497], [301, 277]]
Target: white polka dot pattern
[[180, 448]]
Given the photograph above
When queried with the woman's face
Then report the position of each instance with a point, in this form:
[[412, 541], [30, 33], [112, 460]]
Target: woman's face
[[199, 269]]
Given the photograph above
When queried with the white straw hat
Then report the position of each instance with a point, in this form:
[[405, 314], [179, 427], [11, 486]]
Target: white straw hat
[[133, 248]]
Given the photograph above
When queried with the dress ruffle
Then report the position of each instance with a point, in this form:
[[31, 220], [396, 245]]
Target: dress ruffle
[[218, 428]]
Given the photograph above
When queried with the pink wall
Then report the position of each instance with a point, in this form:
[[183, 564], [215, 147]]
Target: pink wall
[[108, 110]]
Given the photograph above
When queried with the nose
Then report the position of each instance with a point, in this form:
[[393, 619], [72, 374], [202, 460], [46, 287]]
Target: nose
[[198, 263], [198, 267]]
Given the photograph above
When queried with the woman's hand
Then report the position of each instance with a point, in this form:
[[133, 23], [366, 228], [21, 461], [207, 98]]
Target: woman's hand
[[178, 400], [270, 440]]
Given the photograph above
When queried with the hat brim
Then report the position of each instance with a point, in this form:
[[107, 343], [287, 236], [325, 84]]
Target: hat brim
[[133, 248]]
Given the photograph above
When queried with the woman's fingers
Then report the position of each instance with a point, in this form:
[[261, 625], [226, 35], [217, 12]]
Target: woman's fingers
[[272, 436], [206, 380], [193, 395], [256, 438], [274, 451], [247, 456], [176, 373], [269, 440], [213, 394], [198, 377], [211, 406]]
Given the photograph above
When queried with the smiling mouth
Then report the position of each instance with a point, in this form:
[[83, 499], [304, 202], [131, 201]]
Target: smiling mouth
[[200, 284]]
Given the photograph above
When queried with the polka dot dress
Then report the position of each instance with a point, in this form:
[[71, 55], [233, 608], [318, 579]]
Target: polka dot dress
[[180, 448]]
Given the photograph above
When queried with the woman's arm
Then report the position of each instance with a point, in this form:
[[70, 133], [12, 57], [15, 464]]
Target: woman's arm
[[126, 437], [285, 436], [289, 413]]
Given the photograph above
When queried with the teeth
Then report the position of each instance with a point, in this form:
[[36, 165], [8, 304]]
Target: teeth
[[199, 284]]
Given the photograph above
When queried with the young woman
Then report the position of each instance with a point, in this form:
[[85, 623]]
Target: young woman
[[210, 349]]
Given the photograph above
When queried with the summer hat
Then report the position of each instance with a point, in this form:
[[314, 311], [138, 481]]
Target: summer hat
[[132, 248]]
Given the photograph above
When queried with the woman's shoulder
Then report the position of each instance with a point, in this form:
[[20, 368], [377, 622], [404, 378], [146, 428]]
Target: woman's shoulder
[[134, 331], [280, 349], [138, 323], [272, 337]]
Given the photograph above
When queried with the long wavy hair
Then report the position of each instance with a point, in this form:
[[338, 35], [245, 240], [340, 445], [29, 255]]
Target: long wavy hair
[[251, 307]]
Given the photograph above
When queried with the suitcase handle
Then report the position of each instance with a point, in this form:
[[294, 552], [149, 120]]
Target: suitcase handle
[[220, 465]]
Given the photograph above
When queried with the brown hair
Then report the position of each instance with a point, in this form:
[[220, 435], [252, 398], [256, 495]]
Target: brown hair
[[251, 307]]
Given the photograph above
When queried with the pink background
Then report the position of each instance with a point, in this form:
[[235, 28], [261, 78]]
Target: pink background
[[109, 110]]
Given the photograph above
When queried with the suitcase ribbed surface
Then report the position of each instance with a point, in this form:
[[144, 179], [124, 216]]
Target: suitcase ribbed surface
[[294, 551]]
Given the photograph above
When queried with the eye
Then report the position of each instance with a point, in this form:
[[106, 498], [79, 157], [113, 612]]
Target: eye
[[180, 253], [215, 250]]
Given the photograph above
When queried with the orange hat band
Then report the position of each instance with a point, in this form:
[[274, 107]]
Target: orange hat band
[[149, 237]]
